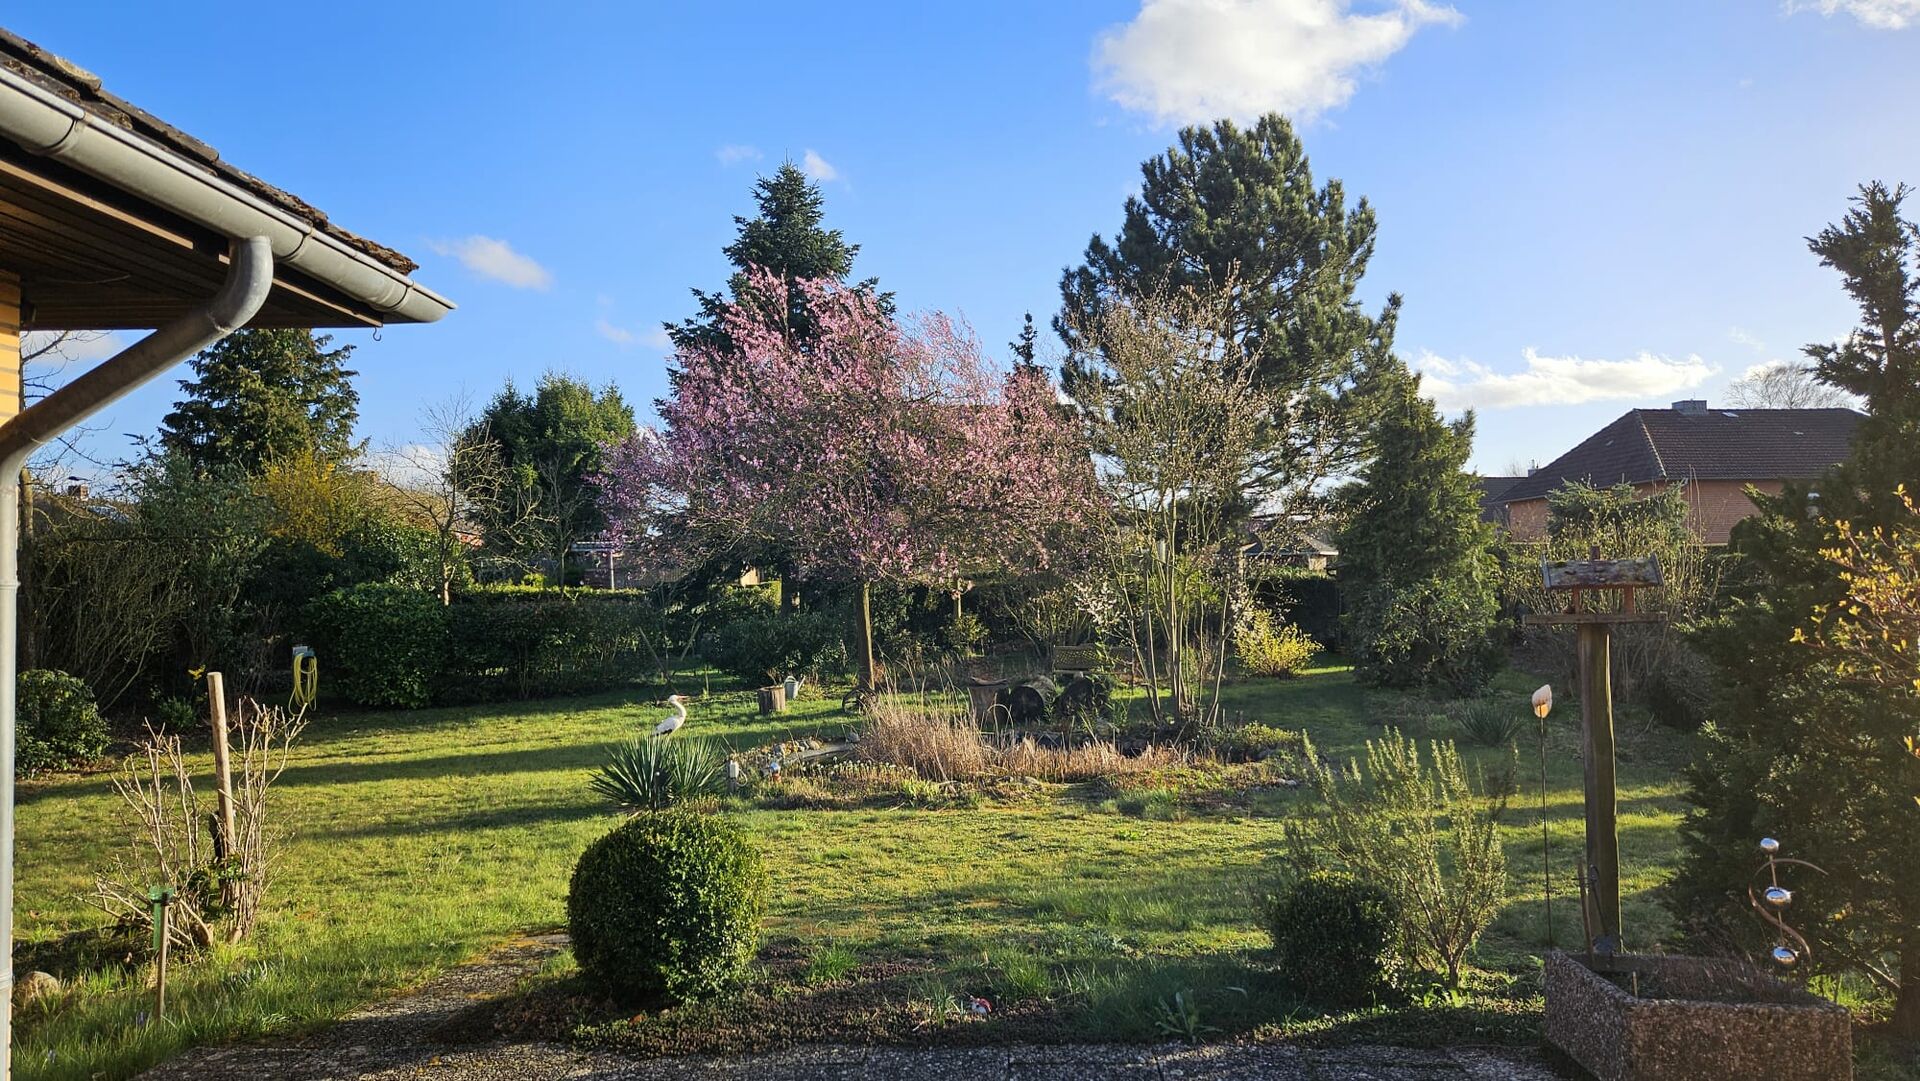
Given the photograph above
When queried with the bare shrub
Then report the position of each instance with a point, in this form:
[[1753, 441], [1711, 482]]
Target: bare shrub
[[173, 832]]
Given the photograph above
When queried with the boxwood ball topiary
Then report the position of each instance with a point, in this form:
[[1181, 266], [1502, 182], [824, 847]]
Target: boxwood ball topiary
[[1336, 937], [667, 905]]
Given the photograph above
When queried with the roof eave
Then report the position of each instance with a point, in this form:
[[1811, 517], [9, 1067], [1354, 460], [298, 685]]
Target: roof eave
[[47, 124]]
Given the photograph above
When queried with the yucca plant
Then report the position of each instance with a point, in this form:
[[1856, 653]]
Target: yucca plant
[[653, 773], [1490, 722]]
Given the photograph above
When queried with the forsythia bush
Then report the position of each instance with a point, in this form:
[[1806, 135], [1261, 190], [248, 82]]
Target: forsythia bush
[[1265, 649]]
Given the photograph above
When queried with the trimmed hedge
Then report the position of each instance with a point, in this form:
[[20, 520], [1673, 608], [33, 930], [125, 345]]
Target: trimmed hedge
[[668, 905], [57, 724], [389, 645], [524, 642], [381, 645]]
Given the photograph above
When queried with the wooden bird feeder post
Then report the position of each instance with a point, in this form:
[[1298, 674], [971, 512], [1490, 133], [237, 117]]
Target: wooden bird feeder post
[[1592, 650]]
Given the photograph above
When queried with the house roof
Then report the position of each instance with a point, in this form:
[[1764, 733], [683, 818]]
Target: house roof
[[82, 87], [1493, 491], [113, 219], [1697, 443]]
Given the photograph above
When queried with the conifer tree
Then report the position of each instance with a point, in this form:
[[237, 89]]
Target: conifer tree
[[1241, 204], [1796, 748], [262, 396], [1415, 557], [787, 237]]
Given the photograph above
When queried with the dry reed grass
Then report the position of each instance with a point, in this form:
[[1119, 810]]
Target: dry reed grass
[[940, 741]]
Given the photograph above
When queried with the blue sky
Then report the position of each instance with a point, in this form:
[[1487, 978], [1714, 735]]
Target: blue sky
[[1626, 184]]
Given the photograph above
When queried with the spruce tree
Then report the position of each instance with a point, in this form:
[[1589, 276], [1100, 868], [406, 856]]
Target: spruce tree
[[788, 237], [1416, 563], [1228, 202], [1796, 749], [261, 396], [1026, 347]]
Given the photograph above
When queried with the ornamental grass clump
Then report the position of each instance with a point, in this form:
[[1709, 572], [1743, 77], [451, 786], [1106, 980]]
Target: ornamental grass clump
[[1423, 833], [667, 906]]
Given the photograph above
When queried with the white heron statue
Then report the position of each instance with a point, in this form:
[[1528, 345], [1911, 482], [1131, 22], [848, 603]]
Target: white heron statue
[[672, 724]]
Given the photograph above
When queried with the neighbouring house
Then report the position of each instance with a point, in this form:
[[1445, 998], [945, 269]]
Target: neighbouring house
[[1718, 454], [1492, 489], [112, 219], [1288, 541]]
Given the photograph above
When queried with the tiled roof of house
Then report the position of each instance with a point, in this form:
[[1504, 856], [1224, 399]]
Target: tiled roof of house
[[1697, 443], [1493, 491], [82, 87]]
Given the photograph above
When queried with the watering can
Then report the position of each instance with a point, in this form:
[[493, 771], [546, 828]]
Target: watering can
[[793, 687]]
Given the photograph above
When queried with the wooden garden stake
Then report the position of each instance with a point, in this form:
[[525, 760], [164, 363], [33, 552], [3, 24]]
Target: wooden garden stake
[[1600, 893], [222, 774]]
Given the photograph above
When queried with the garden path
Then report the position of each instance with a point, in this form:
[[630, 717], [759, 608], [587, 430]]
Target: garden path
[[440, 1032]]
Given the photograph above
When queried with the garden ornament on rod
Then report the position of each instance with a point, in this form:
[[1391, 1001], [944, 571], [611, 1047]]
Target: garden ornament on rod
[[1772, 900], [1543, 705]]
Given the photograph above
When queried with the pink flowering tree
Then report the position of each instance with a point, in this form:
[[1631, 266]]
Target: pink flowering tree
[[874, 452]]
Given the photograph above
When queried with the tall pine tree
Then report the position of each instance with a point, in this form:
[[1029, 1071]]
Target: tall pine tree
[[262, 396], [1228, 202], [1796, 749], [1416, 561]]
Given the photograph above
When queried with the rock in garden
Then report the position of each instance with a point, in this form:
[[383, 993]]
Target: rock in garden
[[35, 986]]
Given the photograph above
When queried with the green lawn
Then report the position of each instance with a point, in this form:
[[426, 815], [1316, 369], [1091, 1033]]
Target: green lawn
[[424, 837]]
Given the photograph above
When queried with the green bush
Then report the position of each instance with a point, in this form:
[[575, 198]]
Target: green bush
[[1336, 937], [774, 645], [1256, 742], [668, 905], [651, 774], [381, 645], [1421, 830], [57, 723], [1267, 649], [1442, 633]]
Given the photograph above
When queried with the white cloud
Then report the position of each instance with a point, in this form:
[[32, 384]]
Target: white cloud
[[818, 167], [497, 260], [1191, 61], [412, 465], [1740, 336], [1754, 371], [53, 348], [626, 336], [1880, 14], [1467, 384], [735, 153]]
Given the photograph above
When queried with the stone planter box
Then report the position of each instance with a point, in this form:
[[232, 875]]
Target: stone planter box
[[1692, 1019]]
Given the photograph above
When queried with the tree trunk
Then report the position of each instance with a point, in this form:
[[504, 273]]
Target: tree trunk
[[868, 677], [1906, 1007]]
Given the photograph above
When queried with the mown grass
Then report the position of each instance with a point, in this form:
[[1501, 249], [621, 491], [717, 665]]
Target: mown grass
[[424, 837]]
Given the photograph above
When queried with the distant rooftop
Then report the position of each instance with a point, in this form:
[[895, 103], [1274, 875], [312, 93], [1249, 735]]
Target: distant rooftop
[[1694, 442]]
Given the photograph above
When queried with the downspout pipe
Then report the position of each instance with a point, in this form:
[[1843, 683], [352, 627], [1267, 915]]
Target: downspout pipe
[[249, 279]]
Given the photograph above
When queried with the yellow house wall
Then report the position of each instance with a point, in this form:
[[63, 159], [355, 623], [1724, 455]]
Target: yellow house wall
[[9, 345]]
